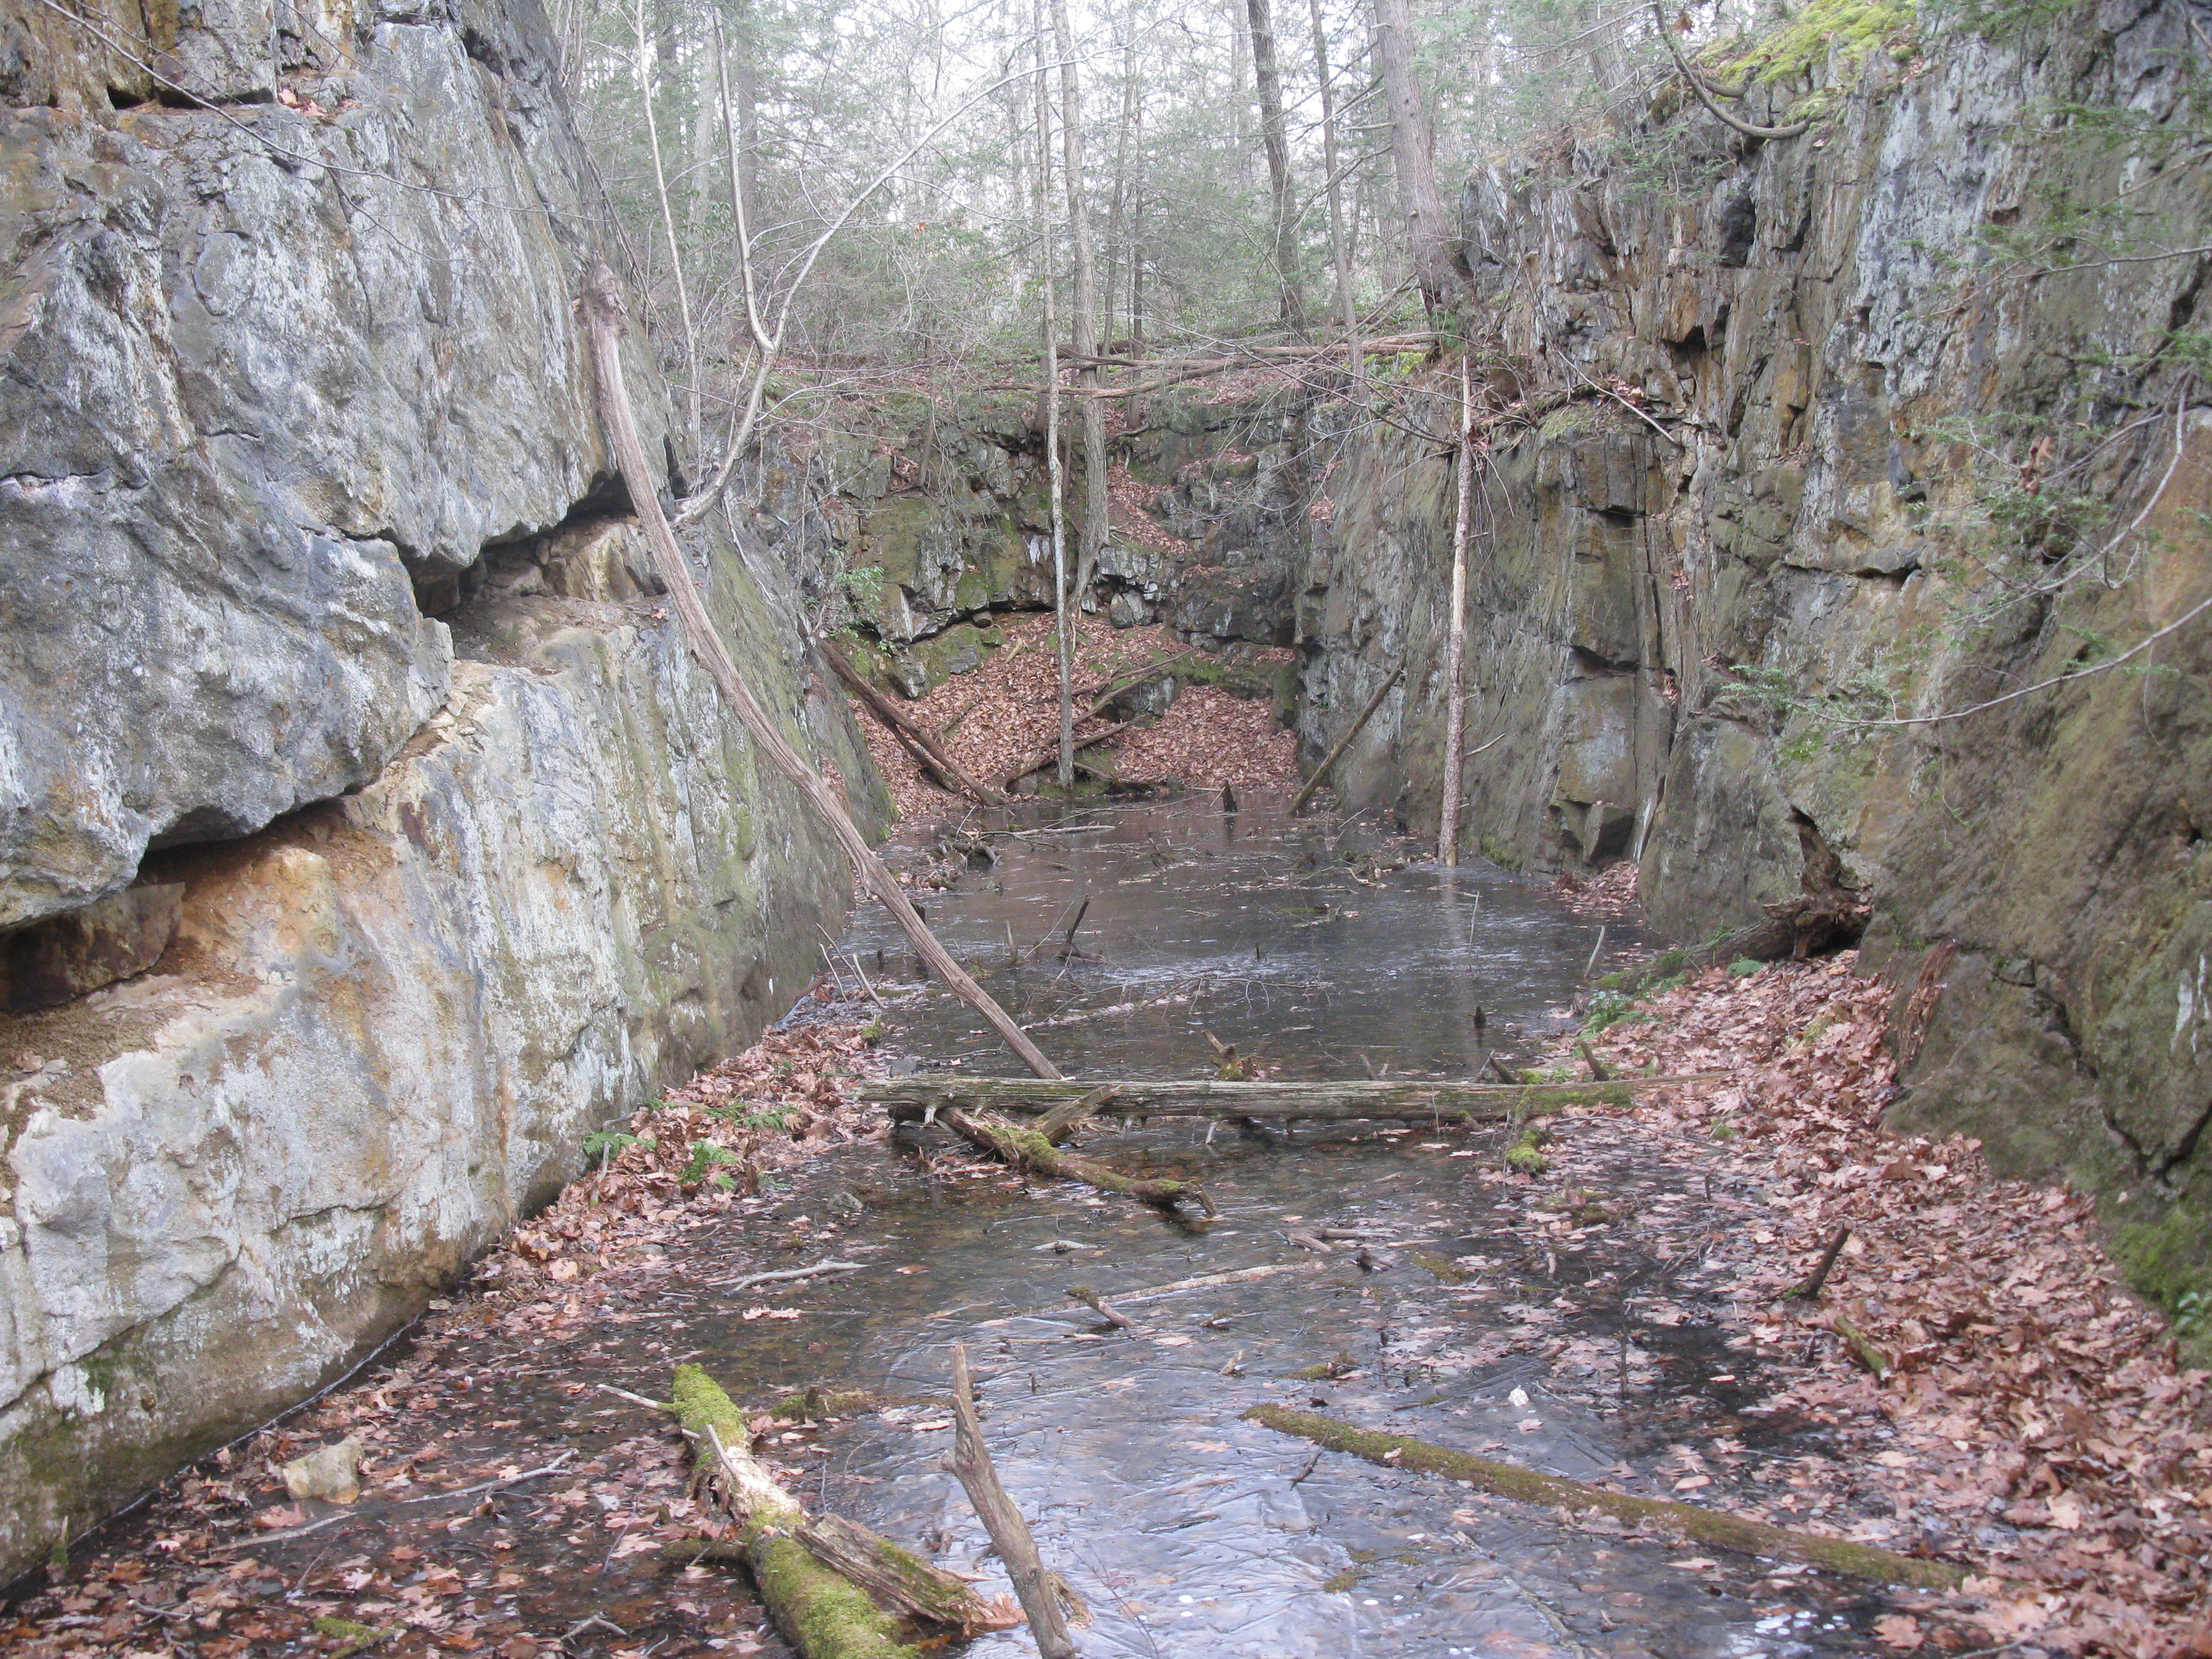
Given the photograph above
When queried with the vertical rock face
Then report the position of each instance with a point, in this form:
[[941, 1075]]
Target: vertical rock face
[[1808, 438], [267, 365], [432, 895]]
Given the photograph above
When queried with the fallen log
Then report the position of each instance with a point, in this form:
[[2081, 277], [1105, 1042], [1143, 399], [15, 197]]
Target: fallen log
[[1358, 724], [912, 1097], [1730, 1532], [1043, 757], [820, 1579], [1025, 1148], [926, 749]]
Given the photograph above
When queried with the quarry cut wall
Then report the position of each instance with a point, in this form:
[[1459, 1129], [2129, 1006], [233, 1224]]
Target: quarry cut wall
[[366, 834], [1778, 407]]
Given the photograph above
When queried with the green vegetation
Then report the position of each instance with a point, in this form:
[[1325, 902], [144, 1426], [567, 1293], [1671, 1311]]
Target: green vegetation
[[1847, 29], [705, 1156], [2167, 1261]]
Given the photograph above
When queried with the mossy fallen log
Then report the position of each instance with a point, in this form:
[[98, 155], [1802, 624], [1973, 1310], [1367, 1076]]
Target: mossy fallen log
[[1729, 1532], [822, 1579], [907, 1099], [1025, 1148]]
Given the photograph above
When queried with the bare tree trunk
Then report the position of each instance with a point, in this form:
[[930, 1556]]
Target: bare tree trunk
[[1427, 232], [1117, 221], [1137, 244], [1269, 81], [668, 224], [741, 206], [602, 313], [1339, 251], [1091, 532], [1455, 652], [748, 78], [1063, 624]]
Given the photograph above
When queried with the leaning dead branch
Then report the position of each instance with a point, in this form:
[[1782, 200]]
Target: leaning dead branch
[[910, 1098], [928, 752], [821, 1579], [1041, 1592], [602, 308], [1358, 724], [1025, 1148], [1042, 758], [1730, 1532], [1697, 85]]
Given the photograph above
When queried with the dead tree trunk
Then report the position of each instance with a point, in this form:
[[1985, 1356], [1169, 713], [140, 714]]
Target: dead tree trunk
[[1358, 724], [1269, 82], [822, 1579], [925, 748], [1010, 1533], [1340, 251], [1025, 1148], [602, 309], [1455, 651], [1091, 529], [1063, 624]]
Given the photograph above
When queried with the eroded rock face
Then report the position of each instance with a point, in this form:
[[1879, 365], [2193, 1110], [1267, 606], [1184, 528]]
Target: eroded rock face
[[266, 368], [1680, 609], [949, 505], [384, 1026], [429, 895]]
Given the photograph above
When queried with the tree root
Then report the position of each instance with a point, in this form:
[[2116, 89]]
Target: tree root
[[1525, 1485]]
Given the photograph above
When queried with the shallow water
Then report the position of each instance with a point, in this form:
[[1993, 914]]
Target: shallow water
[[1191, 1532], [1188, 1530]]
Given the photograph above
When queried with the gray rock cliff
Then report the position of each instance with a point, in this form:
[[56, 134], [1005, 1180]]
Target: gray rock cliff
[[324, 633]]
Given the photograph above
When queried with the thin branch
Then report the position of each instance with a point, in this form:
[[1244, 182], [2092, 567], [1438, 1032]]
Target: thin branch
[[1706, 97]]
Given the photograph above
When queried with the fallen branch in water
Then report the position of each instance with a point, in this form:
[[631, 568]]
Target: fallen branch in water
[[821, 1579], [1730, 1532], [602, 308], [910, 1098], [1041, 1592], [1025, 1148], [788, 1273]]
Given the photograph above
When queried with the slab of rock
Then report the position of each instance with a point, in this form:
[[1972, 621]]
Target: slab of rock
[[329, 1472]]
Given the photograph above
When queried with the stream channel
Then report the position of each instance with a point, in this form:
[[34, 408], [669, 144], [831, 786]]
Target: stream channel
[[1189, 1531], [1481, 1319]]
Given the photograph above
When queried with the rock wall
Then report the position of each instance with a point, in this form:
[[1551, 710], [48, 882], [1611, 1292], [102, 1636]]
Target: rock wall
[[1836, 430], [946, 503], [329, 685]]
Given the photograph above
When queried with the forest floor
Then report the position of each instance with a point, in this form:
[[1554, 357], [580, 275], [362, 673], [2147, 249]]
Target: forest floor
[[2025, 1416], [1008, 712]]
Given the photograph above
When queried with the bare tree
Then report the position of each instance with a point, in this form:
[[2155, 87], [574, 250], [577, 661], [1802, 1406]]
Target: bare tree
[[1455, 649], [1339, 250], [1269, 81], [1064, 623], [1427, 231], [1091, 531], [645, 90]]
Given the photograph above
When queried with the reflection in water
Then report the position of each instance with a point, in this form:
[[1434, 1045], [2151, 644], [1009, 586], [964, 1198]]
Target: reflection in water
[[1189, 1531]]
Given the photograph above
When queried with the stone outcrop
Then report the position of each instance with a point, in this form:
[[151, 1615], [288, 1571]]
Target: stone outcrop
[[332, 680], [947, 505], [1806, 435]]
